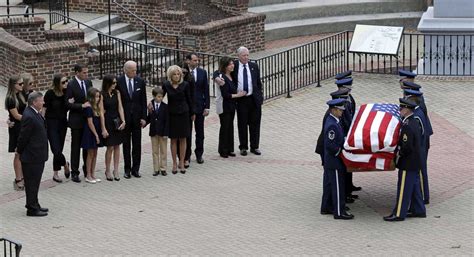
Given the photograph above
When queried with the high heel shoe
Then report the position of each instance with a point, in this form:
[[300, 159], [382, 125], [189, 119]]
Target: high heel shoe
[[182, 170], [116, 176], [67, 170], [108, 177], [57, 180]]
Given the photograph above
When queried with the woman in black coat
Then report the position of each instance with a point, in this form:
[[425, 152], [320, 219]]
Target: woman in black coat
[[179, 107]]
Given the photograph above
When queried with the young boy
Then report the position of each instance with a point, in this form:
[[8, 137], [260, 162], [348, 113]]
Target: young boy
[[159, 128]]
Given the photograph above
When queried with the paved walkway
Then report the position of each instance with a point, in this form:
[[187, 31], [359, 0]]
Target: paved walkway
[[258, 205]]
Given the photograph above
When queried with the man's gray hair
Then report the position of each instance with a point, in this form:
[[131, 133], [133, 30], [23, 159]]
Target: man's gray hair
[[128, 64], [33, 96], [241, 49]]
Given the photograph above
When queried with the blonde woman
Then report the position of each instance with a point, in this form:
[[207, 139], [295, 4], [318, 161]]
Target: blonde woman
[[179, 106], [15, 104], [28, 84]]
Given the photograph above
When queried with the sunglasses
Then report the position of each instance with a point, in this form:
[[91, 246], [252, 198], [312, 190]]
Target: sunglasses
[[64, 82]]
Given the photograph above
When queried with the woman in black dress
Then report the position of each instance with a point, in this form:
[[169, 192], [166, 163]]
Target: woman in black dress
[[56, 123], [179, 107], [228, 92], [15, 104], [112, 122]]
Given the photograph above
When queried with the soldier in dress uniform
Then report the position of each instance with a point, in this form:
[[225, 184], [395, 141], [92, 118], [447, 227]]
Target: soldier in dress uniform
[[333, 201], [346, 83], [409, 165], [427, 130]]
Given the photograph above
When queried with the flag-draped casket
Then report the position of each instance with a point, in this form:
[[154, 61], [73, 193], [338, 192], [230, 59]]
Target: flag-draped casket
[[372, 138]]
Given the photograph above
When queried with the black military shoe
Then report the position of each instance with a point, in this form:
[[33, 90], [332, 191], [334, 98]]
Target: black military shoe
[[349, 200], [324, 212], [75, 178], [136, 174], [127, 175], [255, 151], [392, 218], [36, 213], [354, 188], [344, 216], [44, 209], [243, 152]]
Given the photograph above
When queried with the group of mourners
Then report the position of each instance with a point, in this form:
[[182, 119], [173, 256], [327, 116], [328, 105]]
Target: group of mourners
[[411, 152], [116, 114]]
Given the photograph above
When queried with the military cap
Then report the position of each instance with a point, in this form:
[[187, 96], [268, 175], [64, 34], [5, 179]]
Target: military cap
[[411, 92], [406, 103], [337, 103], [411, 85], [405, 73], [340, 93], [344, 82], [345, 74]]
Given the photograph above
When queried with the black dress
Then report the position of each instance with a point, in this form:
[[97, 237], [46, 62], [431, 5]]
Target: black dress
[[14, 131], [88, 138], [179, 107], [111, 106]]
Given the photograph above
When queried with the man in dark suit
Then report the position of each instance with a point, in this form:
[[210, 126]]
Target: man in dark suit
[[33, 150], [76, 97], [249, 107], [201, 103], [133, 92]]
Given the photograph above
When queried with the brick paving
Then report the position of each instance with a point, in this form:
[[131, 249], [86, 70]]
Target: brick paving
[[258, 205]]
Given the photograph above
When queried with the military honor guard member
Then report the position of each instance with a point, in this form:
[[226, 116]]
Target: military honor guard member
[[427, 130], [333, 201], [409, 165]]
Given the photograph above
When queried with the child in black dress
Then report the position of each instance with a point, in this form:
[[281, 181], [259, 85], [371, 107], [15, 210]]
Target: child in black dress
[[91, 137]]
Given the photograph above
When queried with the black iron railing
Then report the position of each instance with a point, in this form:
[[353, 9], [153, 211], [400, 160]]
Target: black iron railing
[[10, 247], [308, 64], [147, 27], [28, 8], [59, 11]]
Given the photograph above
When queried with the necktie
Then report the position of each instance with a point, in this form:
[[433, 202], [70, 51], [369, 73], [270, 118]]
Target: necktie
[[157, 106], [83, 87], [130, 88], [246, 79]]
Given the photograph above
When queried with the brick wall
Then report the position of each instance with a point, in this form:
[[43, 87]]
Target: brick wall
[[225, 36], [232, 6], [29, 29], [58, 53]]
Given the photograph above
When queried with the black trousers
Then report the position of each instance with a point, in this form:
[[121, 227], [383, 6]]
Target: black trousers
[[132, 142], [76, 138], [226, 133], [32, 173], [248, 121], [57, 129]]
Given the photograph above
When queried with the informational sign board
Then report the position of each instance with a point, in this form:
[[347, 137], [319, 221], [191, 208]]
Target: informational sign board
[[376, 39]]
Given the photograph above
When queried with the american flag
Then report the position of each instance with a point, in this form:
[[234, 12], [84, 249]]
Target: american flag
[[372, 137]]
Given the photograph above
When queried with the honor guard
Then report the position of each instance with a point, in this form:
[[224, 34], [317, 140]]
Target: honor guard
[[409, 165], [427, 130], [346, 82], [333, 201]]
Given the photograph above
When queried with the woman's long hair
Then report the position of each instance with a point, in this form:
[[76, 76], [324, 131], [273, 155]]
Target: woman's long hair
[[91, 99], [107, 83], [11, 94], [223, 63], [57, 87]]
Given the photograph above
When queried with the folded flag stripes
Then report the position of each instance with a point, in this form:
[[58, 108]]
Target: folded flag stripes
[[372, 138]]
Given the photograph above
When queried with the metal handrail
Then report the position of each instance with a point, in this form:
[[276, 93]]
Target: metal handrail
[[60, 14], [145, 23], [26, 10], [11, 242]]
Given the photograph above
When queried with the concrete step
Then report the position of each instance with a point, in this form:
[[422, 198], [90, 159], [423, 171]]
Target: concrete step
[[116, 29], [309, 9], [287, 29], [131, 35], [253, 3], [100, 22]]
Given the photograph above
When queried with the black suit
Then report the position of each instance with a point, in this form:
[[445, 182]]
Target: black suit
[[201, 102], [33, 149], [249, 108], [158, 119], [76, 121], [135, 110]]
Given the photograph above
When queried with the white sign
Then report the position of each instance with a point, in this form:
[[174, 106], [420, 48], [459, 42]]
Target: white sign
[[376, 39]]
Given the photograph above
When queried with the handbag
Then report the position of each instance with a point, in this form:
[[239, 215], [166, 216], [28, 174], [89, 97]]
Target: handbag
[[117, 123]]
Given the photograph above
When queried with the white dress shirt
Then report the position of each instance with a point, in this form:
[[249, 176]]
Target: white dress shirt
[[240, 79]]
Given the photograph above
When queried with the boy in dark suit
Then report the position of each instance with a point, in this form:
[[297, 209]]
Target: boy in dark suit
[[158, 119]]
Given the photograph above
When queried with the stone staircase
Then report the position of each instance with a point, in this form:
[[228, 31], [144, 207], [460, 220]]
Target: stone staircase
[[286, 18], [118, 29]]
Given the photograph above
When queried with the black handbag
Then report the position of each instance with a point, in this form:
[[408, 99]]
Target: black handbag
[[117, 123]]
